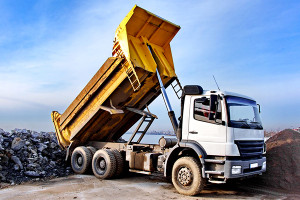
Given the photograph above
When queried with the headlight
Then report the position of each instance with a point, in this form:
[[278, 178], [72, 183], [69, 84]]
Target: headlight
[[236, 169], [264, 166]]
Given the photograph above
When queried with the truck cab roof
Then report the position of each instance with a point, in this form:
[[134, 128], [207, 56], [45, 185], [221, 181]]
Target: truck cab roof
[[226, 93]]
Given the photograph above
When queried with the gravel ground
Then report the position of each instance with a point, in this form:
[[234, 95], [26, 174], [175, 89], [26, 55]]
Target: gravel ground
[[134, 186], [34, 159]]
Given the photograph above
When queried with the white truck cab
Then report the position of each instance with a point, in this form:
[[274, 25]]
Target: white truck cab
[[227, 128]]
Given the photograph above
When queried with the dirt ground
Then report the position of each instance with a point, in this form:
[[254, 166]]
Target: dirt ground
[[134, 186]]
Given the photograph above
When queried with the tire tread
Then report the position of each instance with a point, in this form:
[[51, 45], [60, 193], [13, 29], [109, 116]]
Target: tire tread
[[119, 162], [198, 183]]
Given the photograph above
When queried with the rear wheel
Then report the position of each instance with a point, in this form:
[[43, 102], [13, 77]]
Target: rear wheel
[[119, 162], [81, 159], [104, 164], [92, 150], [186, 176]]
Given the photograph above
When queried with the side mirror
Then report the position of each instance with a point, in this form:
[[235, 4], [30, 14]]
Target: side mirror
[[213, 106], [258, 107]]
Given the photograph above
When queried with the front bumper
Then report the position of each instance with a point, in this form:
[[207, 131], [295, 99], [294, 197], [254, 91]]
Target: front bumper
[[246, 170]]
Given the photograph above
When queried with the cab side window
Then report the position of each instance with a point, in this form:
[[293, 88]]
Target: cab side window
[[202, 110]]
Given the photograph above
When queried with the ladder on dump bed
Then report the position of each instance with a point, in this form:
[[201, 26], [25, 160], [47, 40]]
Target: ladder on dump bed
[[147, 120], [132, 76], [177, 88]]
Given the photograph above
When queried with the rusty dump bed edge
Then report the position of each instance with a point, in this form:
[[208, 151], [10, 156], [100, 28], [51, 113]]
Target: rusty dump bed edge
[[88, 90]]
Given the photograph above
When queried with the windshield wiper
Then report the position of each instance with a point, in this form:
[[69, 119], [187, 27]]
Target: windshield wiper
[[258, 125], [239, 121]]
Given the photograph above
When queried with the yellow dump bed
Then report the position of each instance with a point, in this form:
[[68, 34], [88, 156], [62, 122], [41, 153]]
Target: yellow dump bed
[[126, 80]]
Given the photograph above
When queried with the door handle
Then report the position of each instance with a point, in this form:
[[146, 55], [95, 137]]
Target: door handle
[[193, 132]]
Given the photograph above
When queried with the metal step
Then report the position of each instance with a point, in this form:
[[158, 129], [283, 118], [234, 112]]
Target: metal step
[[139, 171], [215, 172], [145, 120], [217, 181], [214, 161]]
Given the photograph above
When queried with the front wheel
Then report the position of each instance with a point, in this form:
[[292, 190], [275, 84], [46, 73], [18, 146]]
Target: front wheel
[[186, 176]]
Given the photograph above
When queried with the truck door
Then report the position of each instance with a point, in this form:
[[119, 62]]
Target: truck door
[[202, 129]]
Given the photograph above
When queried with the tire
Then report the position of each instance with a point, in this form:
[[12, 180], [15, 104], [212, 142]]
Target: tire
[[186, 176], [92, 150], [104, 164], [81, 159], [120, 162]]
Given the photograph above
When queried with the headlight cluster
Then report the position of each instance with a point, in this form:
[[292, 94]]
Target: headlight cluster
[[236, 170], [264, 166]]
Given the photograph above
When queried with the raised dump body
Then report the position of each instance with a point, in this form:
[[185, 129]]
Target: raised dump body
[[126, 80]]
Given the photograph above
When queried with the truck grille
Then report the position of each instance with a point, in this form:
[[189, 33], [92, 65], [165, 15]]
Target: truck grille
[[250, 149]]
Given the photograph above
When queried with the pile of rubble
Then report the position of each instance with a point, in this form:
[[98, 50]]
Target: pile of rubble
[[27, 155], [283, 161]]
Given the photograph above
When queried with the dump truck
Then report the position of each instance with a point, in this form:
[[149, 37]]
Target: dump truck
[[219, 135]]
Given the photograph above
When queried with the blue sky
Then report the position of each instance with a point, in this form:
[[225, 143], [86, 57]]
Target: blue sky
[[50, 49]]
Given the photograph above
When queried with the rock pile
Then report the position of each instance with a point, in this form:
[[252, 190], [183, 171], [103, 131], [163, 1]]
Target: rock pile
[[283, 161], [27, 155]]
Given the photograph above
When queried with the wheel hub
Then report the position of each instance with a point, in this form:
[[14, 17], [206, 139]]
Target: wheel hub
[[102, 164], [184, 176], [79, 160]]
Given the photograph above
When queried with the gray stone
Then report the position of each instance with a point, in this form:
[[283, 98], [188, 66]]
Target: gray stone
[[33, 166], [32, 174], [45, 160], [16, 167], [42, 147], [32, 160], [35, 134], [2, 177], [52, 164], [17, 161], [10, 151], [1, 139], [52, 145], [4, 158], [34, 153], [17, 144]]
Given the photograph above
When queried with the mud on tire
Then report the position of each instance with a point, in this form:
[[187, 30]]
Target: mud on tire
[[186, 176]]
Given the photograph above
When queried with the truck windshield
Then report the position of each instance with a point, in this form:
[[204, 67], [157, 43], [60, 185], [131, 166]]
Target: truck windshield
[[243, 113]]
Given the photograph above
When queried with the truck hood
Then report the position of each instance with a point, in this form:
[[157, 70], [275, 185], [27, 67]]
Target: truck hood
[[245, 134]]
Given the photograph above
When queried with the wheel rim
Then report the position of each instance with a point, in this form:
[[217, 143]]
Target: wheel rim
[[185, 176], [101, 166], [79, 161]]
